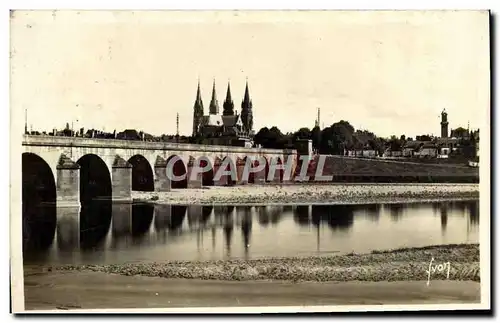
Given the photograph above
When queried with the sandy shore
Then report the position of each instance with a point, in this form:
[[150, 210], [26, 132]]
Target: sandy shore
[[397, 265], [312, 193], [383, 277], [75, 291]]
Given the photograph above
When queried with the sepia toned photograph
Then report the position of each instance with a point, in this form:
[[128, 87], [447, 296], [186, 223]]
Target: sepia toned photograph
[[249, 161]]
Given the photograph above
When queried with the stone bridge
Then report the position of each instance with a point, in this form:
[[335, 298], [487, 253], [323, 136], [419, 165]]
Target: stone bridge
[[88, 168]]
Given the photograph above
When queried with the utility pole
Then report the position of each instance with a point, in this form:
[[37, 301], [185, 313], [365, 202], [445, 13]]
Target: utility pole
[[177, 133], [317, 123], [25, 121]]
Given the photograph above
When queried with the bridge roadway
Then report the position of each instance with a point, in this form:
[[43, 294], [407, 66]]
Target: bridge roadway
[[80, 168]]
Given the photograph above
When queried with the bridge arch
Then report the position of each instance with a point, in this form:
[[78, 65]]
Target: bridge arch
[[251, 175], [38, 181], [207, 178], [95, 179], [38, 202], [142, 174], [178, 168]]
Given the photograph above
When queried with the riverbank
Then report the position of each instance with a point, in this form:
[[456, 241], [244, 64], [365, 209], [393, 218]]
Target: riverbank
[[311, 193], [81, 291], [381, 277], [396, 265]]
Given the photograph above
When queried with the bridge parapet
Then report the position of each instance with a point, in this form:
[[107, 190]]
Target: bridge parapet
[[59, 141]]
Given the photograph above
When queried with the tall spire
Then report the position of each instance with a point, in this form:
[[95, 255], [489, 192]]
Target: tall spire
[[197, 110], [246, 111], [228, 103], [228, 93], [214, 104], [198, 92], [247, 95]]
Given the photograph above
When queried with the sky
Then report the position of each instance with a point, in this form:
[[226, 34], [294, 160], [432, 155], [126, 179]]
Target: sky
[[389, 72]]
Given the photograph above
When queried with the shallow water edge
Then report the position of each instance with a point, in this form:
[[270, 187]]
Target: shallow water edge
[[407, 264], [317, 194]]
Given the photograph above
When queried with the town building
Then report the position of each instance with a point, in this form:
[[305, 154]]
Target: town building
[[412, 147], [228, 128], [427, 150]]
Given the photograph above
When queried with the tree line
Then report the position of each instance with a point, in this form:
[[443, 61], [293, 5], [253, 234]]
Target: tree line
[[334, 139], [341, 136]]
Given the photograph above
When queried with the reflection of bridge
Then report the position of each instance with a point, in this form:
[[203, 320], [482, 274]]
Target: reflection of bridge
[[104, 222], [116, 226], [72, 169], [89, 226]]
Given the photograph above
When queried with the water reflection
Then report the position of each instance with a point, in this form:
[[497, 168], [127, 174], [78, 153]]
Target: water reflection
[[39, 225], [95, 220], [127, 232], [444, 216], [246, 229], [302, 215], [178, 213], [473, 210], [337, 217], [396, 211]]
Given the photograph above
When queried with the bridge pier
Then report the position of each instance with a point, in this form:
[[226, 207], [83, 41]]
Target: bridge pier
[[193, 181], [162, 183], [121, 180], [224, 179], [68, 183], [291, 171], [240, 169]]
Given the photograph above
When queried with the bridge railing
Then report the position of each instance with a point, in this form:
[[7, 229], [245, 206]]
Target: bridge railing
[[61, 141]]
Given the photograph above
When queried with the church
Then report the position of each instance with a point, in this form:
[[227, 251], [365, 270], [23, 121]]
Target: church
[[228, 128]]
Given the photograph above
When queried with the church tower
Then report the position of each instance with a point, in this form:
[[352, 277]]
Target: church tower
[[197, 111], [444, 124], [246, 111], [228, 106], [214, 104]]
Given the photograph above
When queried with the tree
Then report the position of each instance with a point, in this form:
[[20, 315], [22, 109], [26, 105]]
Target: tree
[[459, 132], [342, 136], [302, 133], [271, 138], [327, 144], [316, 137], [336, 138]]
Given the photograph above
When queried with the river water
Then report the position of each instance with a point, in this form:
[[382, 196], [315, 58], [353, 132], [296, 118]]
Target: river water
[[117, 233]]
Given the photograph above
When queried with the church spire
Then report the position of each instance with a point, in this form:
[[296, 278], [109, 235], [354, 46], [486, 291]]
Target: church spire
[[228, 93], [247, 95], [214, 104], [197, 110], [228, 103], [246, 111], [198, 94]]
